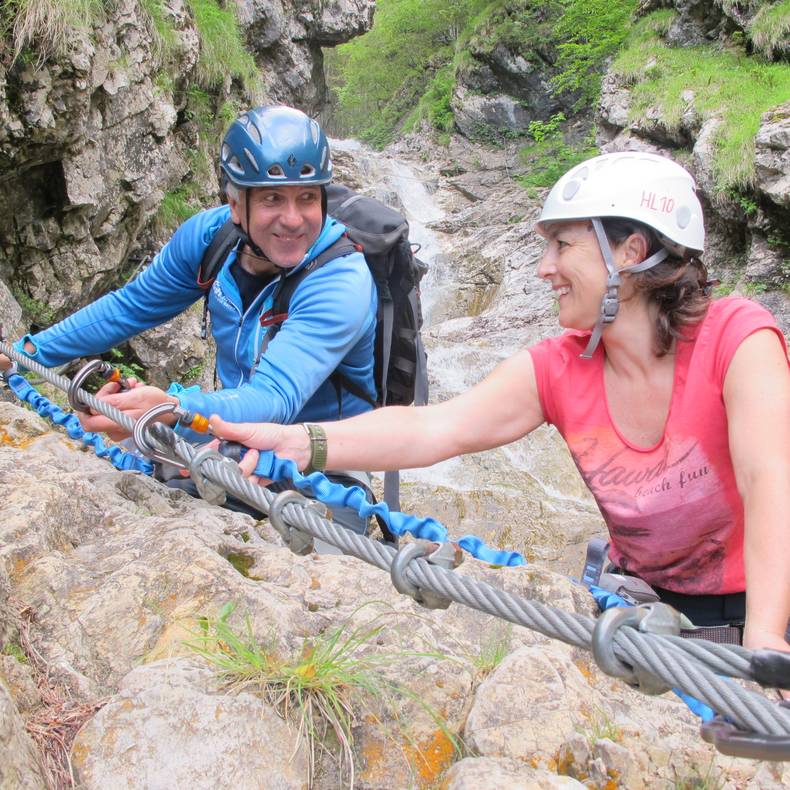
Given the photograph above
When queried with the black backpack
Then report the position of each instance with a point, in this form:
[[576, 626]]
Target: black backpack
[[382, 235]]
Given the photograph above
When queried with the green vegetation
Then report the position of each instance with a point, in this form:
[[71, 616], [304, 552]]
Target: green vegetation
[[15, 651], [222, 50], [588, 33], [493, 648], [46, 25], [769, 30], [164, 35], [404, 71], [40, 315], [550, 155], [718, 83], [322, 686], [127, 367]]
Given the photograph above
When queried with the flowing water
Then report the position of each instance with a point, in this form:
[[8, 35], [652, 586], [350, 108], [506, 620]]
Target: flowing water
[[528, 495]]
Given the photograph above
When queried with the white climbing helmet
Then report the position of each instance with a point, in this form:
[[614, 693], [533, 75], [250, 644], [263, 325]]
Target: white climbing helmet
[[634, 185]]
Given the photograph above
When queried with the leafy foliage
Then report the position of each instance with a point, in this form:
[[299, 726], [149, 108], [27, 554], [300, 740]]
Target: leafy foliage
[[769, 30], [589, 32]]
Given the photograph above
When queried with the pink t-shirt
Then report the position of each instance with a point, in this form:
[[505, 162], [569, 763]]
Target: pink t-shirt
[[673, 510]]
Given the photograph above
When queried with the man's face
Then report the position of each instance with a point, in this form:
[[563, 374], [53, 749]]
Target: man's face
[[284, 221]]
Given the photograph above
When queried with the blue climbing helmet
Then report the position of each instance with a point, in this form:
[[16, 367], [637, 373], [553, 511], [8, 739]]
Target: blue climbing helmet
[[275, 146]]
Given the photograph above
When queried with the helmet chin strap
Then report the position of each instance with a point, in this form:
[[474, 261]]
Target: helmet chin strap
[[610, 303], [246, 239]]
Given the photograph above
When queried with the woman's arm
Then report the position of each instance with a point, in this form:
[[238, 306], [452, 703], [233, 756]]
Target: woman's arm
[[757, 399], [503, 407]]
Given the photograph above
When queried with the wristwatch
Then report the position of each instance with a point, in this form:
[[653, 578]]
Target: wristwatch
[[317, 447]]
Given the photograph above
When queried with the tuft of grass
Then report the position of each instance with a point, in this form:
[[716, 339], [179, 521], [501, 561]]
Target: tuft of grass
[[318, 686], [15, 651], [39, 314], [769, 29], [222, 49], [494, 646], [46, 26], [693, 778], [719, 83], [164, 34]]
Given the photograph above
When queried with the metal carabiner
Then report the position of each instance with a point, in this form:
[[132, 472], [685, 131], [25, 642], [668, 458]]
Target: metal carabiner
[[140, 430], [444, 555], [297, 541], [728, 739], [77, 380]]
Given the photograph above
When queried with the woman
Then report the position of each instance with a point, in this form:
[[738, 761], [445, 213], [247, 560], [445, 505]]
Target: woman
[[676, 408]]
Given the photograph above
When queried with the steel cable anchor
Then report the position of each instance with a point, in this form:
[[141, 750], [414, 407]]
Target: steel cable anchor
[[445, 555], [653, 618], [298, 542], [209, 491]]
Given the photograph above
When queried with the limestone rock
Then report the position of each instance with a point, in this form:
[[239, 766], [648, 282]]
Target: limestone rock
[[168, 725], [772, 155], [19, 765]]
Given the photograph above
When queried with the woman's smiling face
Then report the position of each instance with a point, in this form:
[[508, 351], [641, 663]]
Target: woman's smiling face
[[572, 263]]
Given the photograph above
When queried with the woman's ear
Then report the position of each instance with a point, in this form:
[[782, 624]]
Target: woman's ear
[[633, 250]]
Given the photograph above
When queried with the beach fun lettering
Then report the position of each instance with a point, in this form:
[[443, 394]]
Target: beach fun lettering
[[650, 480]]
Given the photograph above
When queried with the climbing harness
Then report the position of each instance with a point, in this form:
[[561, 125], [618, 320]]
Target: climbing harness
[[638, 644]]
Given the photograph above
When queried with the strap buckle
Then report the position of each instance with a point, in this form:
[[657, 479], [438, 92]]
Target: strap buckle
[[654, 618], [445, 555]]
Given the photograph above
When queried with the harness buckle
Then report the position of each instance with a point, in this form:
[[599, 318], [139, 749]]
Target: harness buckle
[[728, 739], [445, 555], [653, 618]]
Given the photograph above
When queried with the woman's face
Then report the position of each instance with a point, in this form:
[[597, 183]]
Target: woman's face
[[572, 263]]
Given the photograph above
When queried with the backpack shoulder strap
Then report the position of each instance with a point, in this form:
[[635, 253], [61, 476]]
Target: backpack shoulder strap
[[225, 239], [288, 285]]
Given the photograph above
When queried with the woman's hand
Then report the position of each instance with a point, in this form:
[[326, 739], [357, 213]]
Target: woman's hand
[[286, 441]]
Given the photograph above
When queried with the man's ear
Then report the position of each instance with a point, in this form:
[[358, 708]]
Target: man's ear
[[235, 209]]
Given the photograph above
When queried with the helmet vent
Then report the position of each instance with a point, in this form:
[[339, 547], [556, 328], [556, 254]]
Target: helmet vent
[[235, 166], [251, 160], [314, 132], [683, 216], [275, 171], [254, 133], [307, 171], [571, 188]]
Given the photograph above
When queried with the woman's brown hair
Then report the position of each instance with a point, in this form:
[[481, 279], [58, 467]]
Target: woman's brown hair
[[678, 286]]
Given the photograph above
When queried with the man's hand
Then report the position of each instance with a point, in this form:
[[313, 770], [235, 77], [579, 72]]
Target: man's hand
[[133, 402], [287, 441], [5, 363]]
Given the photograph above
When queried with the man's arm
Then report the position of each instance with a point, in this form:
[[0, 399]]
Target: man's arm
[[757, 399], [166, 288]]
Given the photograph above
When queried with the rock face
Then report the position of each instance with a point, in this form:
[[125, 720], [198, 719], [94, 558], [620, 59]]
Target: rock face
[[93, 138], [117, 575]]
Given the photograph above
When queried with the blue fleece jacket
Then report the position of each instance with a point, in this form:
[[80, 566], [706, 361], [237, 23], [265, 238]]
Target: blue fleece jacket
[[331, 326]]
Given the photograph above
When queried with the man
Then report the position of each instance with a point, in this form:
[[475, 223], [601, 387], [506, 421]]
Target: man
[[276, 161]]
